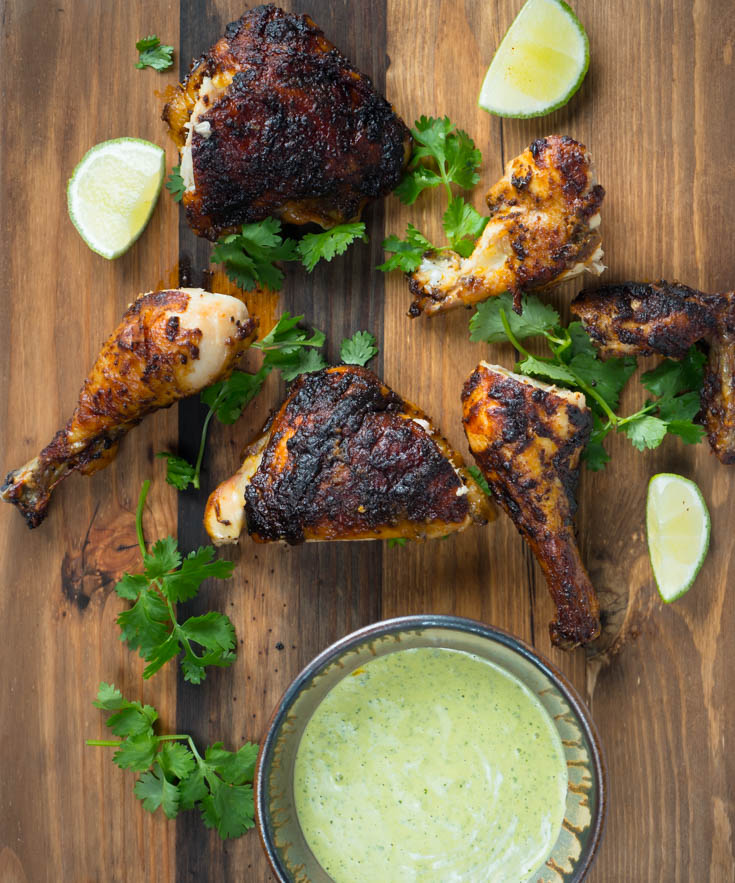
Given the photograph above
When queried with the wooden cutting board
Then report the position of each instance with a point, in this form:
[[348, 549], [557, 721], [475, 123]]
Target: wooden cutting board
[[657, 110]]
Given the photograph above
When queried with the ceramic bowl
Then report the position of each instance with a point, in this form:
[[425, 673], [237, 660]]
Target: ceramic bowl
[[288, 853]]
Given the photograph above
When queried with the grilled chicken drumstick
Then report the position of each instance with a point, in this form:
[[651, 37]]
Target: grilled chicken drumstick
[[667, 318], [275, 121], [346, 458], [543, 229], [527, 438], [170, 344]]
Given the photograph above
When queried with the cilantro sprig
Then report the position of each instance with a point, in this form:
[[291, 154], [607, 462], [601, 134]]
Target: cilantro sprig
[[442, 155], [575, 363], [174, 775], [150, 626], [175, 184], [152, 53], [286, 348], [250, 257]]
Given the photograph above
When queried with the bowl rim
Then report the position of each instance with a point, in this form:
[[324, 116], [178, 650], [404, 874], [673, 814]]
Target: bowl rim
[[422, 622]]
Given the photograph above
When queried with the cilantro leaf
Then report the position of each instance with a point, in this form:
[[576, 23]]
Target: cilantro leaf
[[406, 254], [535, 319], [145, 625], [549, 370], [358, 349], [136, 752], [228, 398], [153, 790], [248, 257], [183, 584], [414, 182], [315, 247], [463, 224], [152, 53], [669, 378], [595, 456], [163, 557], [607, 378], [393, 542], [109, 698], [234, 767], [228, 808], [132, 720], [176, 760], [179, 472], [213, 631], [480, 479], [688, 432], [303, 362], [175, 184], [645, 431]]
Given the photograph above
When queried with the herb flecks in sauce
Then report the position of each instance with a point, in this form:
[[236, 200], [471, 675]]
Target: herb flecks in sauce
[[429, 765]]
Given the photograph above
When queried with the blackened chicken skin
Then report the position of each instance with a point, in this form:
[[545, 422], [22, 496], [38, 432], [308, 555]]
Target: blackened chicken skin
[[346, 458], [170, 344], [543, 229], [666, 319], [274, 121], [527, 438]]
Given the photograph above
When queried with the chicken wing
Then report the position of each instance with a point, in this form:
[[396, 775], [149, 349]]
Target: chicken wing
[[275, 121], [665, 318], [543, 229], [527, 438], [170, 344], [346, 458]]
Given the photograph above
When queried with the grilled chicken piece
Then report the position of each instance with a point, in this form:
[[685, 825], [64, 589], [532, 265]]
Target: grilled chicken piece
[[346, 458], [275, 121], [636, 319], [170, 344], [527, 438], [665, 318], [543, 229]]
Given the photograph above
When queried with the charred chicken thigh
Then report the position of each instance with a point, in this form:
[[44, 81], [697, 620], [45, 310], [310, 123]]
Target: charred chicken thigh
[[274, 121], [665, 318], [170, 344], [543, 229], [346, 458], [527, 438]]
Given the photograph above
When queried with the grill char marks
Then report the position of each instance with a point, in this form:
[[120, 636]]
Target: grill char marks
[[665, 318], [345, 459], [527, 439], [298, 133], [641, 319]]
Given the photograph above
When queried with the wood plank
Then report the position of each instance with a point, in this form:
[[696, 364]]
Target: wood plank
[[67, 812], [305, 597]]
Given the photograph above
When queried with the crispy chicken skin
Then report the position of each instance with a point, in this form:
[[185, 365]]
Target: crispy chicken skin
[[527, 438], [664, 318], [637, 319], [543, 229], [346, 458], [170, 344], [274, 121]]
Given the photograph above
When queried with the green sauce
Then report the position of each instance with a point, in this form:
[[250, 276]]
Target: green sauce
[[430, 765]]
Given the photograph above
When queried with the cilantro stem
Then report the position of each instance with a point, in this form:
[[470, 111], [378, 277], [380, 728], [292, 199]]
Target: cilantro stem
[[139, 516], [511, 337], [105, 743], [202, 443]]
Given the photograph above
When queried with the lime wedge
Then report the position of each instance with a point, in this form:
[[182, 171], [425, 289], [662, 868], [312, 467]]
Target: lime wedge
[[539, 65], [677, 522], [113, 192]]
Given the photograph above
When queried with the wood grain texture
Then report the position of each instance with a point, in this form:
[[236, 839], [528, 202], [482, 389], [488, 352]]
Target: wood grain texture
[[656, 110]]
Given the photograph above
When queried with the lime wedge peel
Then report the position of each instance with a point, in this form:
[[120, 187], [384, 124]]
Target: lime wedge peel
[[539, 64], [113, 191], [678, 527]]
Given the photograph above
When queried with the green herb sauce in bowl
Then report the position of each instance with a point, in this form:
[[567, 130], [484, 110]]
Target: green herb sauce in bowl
[[430, 750]]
